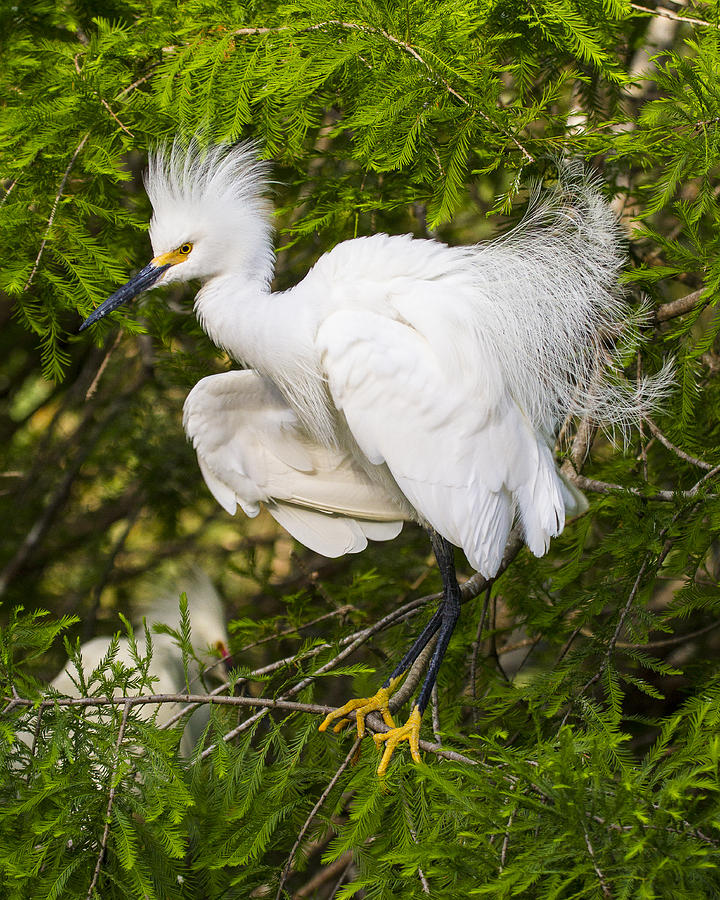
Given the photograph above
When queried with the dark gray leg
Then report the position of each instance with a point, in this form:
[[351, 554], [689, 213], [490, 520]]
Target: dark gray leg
[[418, 646], [447, 616]]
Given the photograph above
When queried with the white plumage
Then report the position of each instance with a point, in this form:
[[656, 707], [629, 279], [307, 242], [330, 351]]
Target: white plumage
[[401, 379], [251, 449], [208, 634]]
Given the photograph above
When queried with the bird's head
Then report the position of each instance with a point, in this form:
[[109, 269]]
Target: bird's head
[[210, 218]]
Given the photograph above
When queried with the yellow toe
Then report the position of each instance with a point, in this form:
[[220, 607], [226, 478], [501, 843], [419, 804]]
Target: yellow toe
[[362, 706], [410, 732]]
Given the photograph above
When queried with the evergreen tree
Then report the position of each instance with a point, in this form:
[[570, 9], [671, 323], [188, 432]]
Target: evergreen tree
[[579, 706]]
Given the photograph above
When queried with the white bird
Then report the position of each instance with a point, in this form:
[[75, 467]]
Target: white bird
[[401, 379], [208, 636]]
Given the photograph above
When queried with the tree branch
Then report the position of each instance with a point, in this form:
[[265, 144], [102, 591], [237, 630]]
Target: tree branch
[[669, 14], [676, 450], [680, 306], [313, 812], [403, 45], [53, 212], [111, 798]]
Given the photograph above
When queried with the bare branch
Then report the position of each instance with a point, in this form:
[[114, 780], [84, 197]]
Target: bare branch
[[667, 547], [313, 812], [290, 632], [506, 840], [55, 503], [335, 868], [103, 365], [263, 702], [679, 307], [435, 709], [607, 487], [111, 798], [53, 212], [669, 14], [601, 877], [676, 450]]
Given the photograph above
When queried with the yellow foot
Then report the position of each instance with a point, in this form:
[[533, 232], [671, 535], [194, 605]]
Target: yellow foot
[[410, 731], [363, 706]]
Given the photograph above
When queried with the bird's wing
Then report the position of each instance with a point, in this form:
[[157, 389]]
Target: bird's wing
[[464, 462], [251, 449]]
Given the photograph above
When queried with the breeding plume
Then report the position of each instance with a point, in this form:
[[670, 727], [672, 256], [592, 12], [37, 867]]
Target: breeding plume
[[401, 379]]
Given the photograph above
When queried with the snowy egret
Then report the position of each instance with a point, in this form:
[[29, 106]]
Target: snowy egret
[[209, 640], [401, 379]]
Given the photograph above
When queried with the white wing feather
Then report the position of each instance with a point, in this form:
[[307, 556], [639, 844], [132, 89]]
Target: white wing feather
[[466, 462], [251, 449]]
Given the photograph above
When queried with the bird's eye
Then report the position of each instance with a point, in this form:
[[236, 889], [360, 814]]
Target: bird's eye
[[185, 249]]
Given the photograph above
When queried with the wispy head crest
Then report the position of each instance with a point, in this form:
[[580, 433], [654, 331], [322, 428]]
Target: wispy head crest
[[188, 171], [215, 189]]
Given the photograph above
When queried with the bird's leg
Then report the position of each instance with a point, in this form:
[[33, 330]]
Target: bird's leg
[[379, 702], [447, 616]]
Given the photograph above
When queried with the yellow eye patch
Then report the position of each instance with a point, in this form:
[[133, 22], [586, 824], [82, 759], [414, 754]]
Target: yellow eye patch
[[173, 257]]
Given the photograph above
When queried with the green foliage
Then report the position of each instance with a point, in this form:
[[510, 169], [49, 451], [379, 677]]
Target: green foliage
[[581, 695]]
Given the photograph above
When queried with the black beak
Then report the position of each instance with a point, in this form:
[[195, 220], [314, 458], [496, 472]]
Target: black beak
[[144, 279]]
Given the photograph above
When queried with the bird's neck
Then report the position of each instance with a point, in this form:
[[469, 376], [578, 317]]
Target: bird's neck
[[272, 333], [237, 314]]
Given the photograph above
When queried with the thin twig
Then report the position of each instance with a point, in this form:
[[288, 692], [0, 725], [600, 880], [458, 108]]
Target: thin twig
[[621, 621], [607, 487], [199, 699], [313, 579], [108, 108], [313, 812], [111, 798], [667, 547], [265, 703], [403, 45], [90, 620], [475, 652], [601, 877], [103, 365], [338, 883], [506, 840], [53, 212], [36, 736], [7, 191], [53, 505], [643, 441], [100, 98], [337, 867], [435, 710], [340, 611], [135, 84], [669, 14], [568, 644], [670, 642], [701, 464], [413, 835], [493, 641]]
